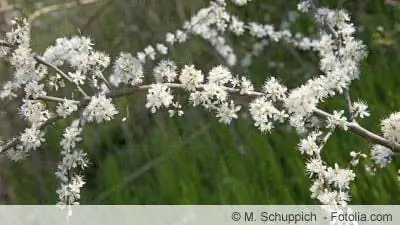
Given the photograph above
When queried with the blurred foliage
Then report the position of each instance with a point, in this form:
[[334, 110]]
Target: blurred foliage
[[152, 159]]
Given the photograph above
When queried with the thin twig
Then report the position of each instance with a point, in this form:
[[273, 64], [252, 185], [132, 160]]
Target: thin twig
[[61, 73], [52, 8], [53, 99], [355, 128], [51, 66], [349, 105], [352, 126]]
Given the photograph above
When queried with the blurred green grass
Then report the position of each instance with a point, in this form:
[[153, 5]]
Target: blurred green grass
[[153, 159]]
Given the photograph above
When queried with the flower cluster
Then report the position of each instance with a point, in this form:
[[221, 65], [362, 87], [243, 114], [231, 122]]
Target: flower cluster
[[330, 184], [391, 127], [99, 109], [72, 158]]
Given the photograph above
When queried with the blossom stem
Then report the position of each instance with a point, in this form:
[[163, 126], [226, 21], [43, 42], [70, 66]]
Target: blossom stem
[[361, 131], [354, 127], [349, 105], [61, 73], [52, 98]]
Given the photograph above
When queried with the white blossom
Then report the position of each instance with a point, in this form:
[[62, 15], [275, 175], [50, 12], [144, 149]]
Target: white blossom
[[77, 77], [150, 52], [274, 90], [264, 114], [162, 49], [241, 2], [337, 120], [391, 127], [360, 109], [245, 86], [176, 110], [219, 75], [190, 77], [34, 89], [165, 70], [170, 38], [309, 144], [236, 26], [66, 107], [315, 167], [227, 111], [69, 193], [127, 70], [158, 95], [71, 136], [31, 139], [304, 6], [100, 109], [35, 112], [381, 155]]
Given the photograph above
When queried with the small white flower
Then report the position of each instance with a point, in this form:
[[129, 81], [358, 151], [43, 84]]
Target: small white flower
[[264, 113], [308, 145], [274, 90], [150, 52], [337, 119], [315, 167], [34, 90], [190, 77], [381, 155], [16, 155], [236, 26], [77, 77], [67, 107], [360, 109], [341, 178], [31, 139], [328, 197], [70, 193], [219, 75], [257, 30], [181, 36], [391, 127], [35, 112], [127, 70], [100, 109], [226, 112], [240, 2], [214, 93], [170, 38], [71, 136], [304, 6], [317, 188], [166, 69], [162, 49], [245, 86], [158, 95], [142, 57], [177, 110]]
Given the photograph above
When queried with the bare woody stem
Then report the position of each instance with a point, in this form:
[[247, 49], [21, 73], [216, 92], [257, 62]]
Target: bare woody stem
[[55, 7], [61, 73], [353, 127]]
